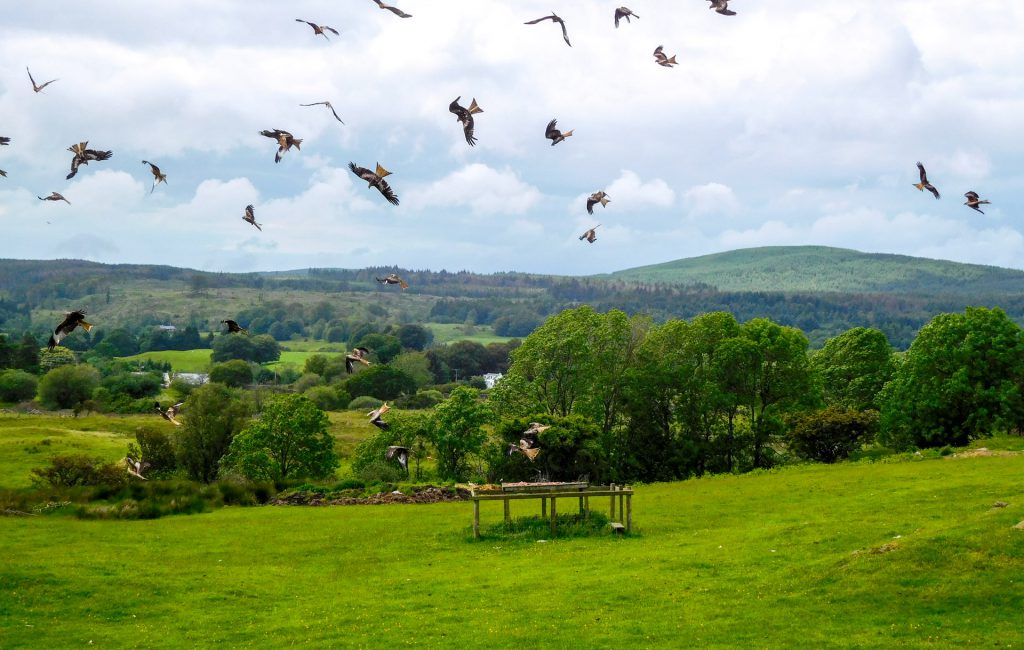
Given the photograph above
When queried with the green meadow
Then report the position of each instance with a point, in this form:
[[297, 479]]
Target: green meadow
[[909, 552]]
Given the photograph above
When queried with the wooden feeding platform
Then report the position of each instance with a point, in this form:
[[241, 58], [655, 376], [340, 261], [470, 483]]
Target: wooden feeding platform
[[554, 491]]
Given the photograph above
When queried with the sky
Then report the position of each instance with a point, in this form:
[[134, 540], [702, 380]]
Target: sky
[[791, 123]]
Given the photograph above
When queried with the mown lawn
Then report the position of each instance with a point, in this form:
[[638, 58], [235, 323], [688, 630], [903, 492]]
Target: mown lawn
[[180, 360], [870, 555]]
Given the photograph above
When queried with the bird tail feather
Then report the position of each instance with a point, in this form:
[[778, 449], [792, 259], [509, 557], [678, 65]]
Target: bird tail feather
[[85, 326], [474, 108], [566, 134], [382, 172], [531, 453], [919, 186]]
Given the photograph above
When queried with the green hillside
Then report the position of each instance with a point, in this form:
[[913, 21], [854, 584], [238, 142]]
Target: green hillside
[[821, 268]]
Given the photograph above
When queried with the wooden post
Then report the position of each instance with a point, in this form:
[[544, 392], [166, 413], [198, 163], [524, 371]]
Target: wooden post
[[508, 513], [586, 508], [629, 513], [543, 507], [476, 518], [622, 519], [581, 505], [554, 516], [611, 515]]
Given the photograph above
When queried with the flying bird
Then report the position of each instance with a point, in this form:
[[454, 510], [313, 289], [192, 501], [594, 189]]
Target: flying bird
[[722, 7], [285, 141], [399, 454], [357, 355], [393, 278], [318, 30], [72, 319], [662, 60], [376, 179], [135, 467], [623, 12], [328, 105], [528, 445], [170, 414], [157, 176], [924, 184], [395, 10], [594, 199], [234, 328], [555, 19], [3, 173], [54, 196], [4, 140], [375, 417], [83, 154], [590, 235], [465, 115], [552, 133], [37, 87], [973, 201], [250, 217]]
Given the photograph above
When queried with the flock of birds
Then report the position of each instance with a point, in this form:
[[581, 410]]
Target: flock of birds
[[528, 445]]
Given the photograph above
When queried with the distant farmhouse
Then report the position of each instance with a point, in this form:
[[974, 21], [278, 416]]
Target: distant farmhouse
[[191, 378], [491, 378]]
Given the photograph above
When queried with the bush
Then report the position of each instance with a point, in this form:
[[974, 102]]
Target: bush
[[133, 384], [17, 386], [66, 386], [307, 381], [235, 373], [325, 397], [289, 440], [181, 389], [423, 399], [74, 470], [212, 416], [382, 382], [155, 447], [365, 403], [831, 434]]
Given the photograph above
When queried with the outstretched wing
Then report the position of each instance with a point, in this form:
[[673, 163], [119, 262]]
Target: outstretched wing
[[552, 132], [923, 174], [534, 22], [565, 34], [388, 193]]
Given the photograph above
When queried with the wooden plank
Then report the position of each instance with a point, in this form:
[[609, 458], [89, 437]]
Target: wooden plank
[[617, 528], [547, 495], [476, 518]]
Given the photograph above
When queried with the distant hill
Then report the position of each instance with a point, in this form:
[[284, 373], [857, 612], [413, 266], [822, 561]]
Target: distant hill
[[824, 269], [823, 291]]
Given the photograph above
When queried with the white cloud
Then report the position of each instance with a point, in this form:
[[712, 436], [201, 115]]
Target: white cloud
[[710, 198], [485, 191]]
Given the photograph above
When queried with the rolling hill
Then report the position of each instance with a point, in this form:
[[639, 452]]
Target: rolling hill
[[825, 269]]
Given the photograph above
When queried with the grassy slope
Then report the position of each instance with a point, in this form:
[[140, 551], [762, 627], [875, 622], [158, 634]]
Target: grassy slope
[[22, 437], [820, 268], [779, 559], [451, 332]]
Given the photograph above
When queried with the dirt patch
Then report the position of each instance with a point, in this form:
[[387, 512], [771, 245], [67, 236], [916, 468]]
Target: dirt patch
[[878, 550], [425, 494], [1020, 526], [983, 451]]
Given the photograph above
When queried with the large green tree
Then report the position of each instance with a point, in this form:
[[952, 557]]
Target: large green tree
[[211, 417], [67, 386], [960, 380], [457, 431], [289, 440], [853, 367]]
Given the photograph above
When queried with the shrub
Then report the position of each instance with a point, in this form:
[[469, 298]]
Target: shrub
[[307, 381], [66, 386], [74, 470], [365, 403], [155, 447], [831, 434], [17, 386], [235, 373], [382, 382], [423, 399], [325, 397], [212, 416], [290, 439]]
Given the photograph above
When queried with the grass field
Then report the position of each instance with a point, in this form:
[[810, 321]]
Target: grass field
[[870, 555], [451, 332], [29, 441]]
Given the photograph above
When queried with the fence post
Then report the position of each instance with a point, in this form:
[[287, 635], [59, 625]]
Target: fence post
[[611, 515], [508, 513], [543, 507], [554, 516], [476, 518], [629, 512]]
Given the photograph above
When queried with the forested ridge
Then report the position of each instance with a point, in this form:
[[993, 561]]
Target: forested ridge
[[895, 294]]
